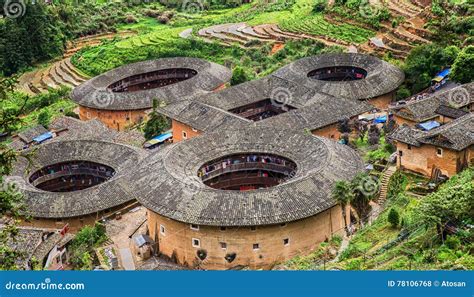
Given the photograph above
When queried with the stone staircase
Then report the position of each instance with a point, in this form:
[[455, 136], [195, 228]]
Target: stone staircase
[[384, 184]]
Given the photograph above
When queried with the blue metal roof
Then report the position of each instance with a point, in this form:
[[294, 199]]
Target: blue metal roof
[[429, 125], [162, 137], [442, 74], [43, 137], [381, 119]]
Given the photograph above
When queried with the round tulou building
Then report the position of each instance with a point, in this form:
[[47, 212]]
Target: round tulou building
[[252, 197], [74, 182], [348, 75], [121, 97]]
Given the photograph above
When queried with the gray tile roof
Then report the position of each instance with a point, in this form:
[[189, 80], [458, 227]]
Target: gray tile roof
[[28, 135], [201, 116], [43, 204], [456, 135], [209, 112], [450, 112], [382, 77], [94, 93], [25, 242], [167, 182], [319, 114], [424, 109]]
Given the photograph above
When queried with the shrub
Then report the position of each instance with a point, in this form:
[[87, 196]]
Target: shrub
[[238, 76], [130, 19], [319, 6], [452, 242], [393, 217], [44, 118], [403, 93], [71, 114]]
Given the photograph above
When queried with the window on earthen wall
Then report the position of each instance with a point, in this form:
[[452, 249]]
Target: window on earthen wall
[[196, 242], [162, 229], [256, 246], [439, 152], [286, 241], [194, 227]]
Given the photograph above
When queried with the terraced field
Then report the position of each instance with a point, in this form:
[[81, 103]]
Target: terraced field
[[160, 33], [250, 26], [317, 25], [62, 72]]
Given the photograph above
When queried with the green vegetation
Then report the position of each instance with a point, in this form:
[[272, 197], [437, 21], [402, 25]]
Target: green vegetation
[[83, 244], [24, 111], [424, 62], [11, 200], [305, 20], [26, 40], [393, 217], [463, 66], [325, 252], [156, 124], [362, 11], [257, 62], [422, 240], [44, 118]]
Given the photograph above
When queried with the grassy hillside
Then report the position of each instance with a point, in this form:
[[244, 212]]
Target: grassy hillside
[[415, 244]]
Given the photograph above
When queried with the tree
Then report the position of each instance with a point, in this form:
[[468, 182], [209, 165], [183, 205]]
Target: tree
[[342, 193], [344, 126], [84, 243], [424, 62], [374, 135], [393, 217], [463, 67], [156, 124], [452, 203], [44, 118], [238, 76], [35, 36], [364, 188], [11, 200]]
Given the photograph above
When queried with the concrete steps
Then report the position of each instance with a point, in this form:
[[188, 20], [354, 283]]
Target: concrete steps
[[384, 184]]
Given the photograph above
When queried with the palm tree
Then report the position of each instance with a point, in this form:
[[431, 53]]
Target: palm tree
[[364, 189], [342, 193]]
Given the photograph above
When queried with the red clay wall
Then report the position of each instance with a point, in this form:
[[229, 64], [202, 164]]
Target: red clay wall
[[114, 119], [179, 129], [330, 132], [304, 236], [382, 102], [423, 159]]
